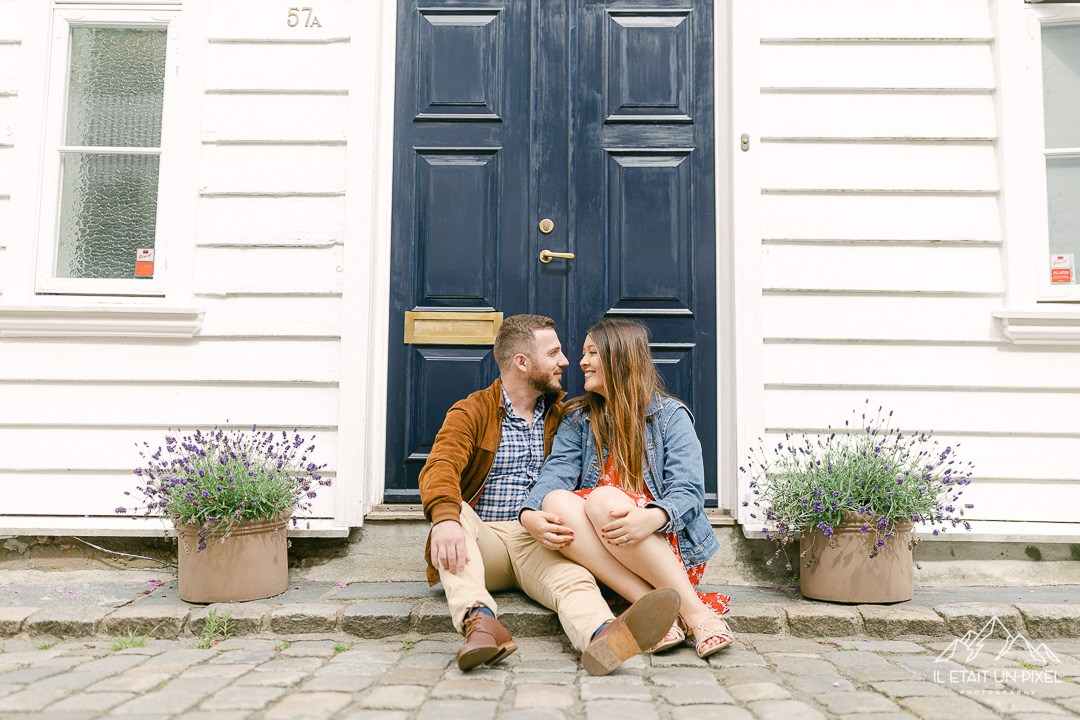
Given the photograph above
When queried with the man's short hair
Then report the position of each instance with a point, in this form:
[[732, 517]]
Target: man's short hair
[[516, 336]]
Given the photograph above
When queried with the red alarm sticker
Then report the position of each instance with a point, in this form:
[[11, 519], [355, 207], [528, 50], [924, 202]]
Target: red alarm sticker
[[144, 262], [1061, 269]]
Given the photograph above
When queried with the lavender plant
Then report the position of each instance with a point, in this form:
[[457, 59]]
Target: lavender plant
[[217, 479], [869, 474]]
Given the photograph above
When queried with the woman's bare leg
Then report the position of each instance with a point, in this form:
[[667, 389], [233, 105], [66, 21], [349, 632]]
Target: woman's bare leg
[[651, 558], [589, 551]]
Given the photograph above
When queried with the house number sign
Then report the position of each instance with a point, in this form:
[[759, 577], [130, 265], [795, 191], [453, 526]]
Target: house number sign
[[305, 15]]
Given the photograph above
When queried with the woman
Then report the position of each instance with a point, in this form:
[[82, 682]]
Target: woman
[[625, 481]]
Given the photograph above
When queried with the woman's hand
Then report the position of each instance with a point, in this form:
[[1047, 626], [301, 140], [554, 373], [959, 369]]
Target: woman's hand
[[632, 525], [547, 529]]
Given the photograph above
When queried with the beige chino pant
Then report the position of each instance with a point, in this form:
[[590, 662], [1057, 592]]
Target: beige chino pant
[[503, 556]]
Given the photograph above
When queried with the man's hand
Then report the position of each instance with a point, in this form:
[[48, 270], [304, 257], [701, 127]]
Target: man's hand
[[448, 550], [632, 525], [547, 529]]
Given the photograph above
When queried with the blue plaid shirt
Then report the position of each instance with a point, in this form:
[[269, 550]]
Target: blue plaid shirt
[[516, 465]]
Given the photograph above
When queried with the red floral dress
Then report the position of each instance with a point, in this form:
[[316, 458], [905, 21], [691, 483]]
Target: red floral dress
[[717, 602]]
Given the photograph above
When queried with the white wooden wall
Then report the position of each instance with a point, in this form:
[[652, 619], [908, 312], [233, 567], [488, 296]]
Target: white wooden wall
[[10, 46], [267, 268], [881, 234]]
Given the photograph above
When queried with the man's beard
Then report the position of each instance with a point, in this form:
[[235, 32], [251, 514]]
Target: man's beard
[[543, 383]]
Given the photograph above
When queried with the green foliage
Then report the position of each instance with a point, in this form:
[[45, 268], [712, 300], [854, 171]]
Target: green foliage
[[45, 644], [409, 642], [215, 629], [340, 648], [869, 475], [128, 640]]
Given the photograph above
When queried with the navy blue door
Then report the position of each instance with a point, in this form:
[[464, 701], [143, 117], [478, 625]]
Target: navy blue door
[[596, 116]]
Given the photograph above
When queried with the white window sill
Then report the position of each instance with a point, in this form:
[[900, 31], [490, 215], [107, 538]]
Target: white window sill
[[100, 320], [1040, 327]]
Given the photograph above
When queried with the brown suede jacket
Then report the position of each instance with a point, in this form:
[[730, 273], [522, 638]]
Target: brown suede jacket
[[463, 452]]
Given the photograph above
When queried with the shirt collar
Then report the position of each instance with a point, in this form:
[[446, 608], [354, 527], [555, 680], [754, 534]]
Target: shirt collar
[[508, 407]]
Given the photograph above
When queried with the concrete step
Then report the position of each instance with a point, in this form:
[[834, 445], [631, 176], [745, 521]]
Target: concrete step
[[383, 609]]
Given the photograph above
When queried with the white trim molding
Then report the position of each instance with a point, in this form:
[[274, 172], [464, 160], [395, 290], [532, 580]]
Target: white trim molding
[[100, 320], [1040, 326], [746, 280]]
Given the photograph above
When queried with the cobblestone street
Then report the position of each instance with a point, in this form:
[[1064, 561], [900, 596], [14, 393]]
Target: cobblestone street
[[761, 676]]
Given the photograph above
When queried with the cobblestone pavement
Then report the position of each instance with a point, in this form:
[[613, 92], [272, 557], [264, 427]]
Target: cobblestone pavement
[[761, 677]]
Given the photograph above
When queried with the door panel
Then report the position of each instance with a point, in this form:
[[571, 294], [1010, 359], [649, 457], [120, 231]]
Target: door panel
[[597, 117], [461, 200], [644, 179]]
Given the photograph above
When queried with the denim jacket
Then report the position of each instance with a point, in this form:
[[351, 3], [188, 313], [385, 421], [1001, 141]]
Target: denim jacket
[[673, 471]]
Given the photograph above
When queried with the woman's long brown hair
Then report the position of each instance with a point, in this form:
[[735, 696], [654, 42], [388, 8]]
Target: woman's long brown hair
[[630, 381]]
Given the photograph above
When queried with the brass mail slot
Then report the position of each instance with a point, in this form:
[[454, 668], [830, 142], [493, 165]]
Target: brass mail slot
[[451, 328]]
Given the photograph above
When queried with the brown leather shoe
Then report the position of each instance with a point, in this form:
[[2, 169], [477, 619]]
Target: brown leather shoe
[[633, 632], [486, 642]]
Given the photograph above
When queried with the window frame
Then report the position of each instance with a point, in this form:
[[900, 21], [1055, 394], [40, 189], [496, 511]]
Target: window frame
[[63, 20], [1024, 141]]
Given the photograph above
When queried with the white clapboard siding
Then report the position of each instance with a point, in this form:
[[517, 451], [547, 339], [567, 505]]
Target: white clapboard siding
[[96, 494], [982, 412], [9, 65], [866, 115], [148, 403], [882, 318], [271, 220], [8, 108], [877, 19], [116, 450], [276, 118], [878, 166], [966, 66], [7, 166], [229, 270], [902, 217], [270, 317], [272, 169], [940, 366], [997, 458], [211, 360], [270, 67], [259, 20], [11, 21], [933, 268], [1031, 501]]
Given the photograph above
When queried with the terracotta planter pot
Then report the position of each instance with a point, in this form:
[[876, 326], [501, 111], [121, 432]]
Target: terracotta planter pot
[[251, 564], [846, 573]]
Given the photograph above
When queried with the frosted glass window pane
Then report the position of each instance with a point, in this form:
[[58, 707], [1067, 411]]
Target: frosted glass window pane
[[1061, 85], [1063, 194], [108, 210], [115, 87]]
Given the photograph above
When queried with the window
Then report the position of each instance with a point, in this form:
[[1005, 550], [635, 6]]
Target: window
[[106, 158], [1061, 115]]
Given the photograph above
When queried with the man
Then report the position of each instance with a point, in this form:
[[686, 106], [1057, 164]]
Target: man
[[486, 457]]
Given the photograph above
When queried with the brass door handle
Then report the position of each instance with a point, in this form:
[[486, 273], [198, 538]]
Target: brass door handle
[[546, 256]]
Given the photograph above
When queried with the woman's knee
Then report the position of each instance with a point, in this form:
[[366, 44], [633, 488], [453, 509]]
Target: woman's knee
[[603, 500], [562, 502]]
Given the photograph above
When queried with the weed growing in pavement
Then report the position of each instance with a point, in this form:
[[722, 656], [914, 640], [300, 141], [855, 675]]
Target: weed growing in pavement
[[45, 644], [409, 642], [216, 628], [123, 642], [340, 648]]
